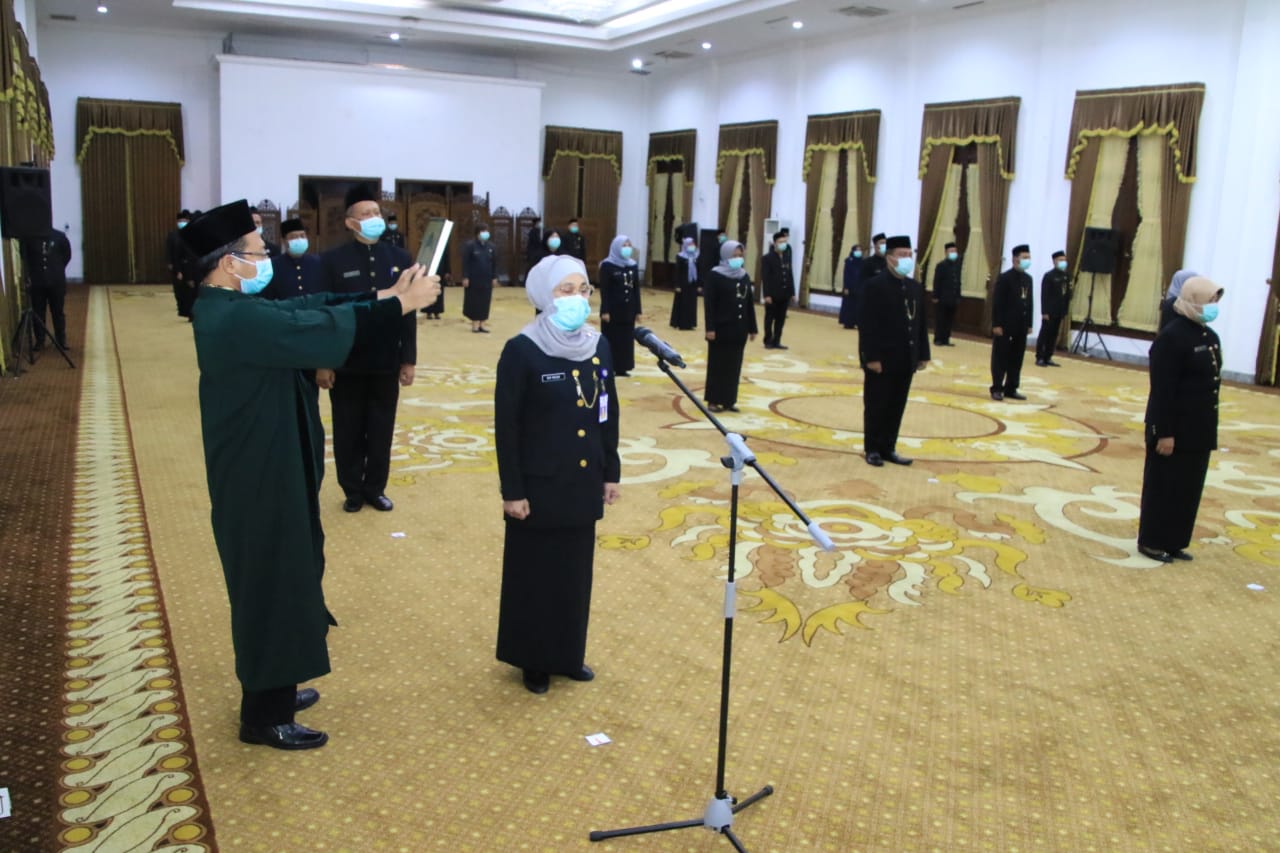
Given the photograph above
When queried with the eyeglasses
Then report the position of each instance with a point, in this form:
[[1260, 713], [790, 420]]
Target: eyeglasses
[[246, 255], [569, 290]]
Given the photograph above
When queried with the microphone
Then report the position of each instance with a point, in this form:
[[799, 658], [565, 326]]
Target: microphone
[[658, 347]]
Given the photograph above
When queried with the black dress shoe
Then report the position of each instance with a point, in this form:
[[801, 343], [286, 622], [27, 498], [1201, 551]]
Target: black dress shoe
[[997, 395], [1014, 395], [1041, 363], [898, 460], [1155, 553], [584, 674], [781, 346], [732, 409], [352, 503], [1181, 555], [284, 736], [381, 503], [535, 682], [875, 459], [306, 697]]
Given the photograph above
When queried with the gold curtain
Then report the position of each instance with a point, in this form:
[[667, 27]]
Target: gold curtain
[[819, 262], [975, 272], [582, 143], [933, 186], [840, 149], [130, 155], [1140, 307], [857, 220], [658, 189], [599, 213], [1268, 362], [948, 210], [761, 208], [739, 140], [1113, 154], [583, 169], [561, 201], [669, 176], [681, 203]]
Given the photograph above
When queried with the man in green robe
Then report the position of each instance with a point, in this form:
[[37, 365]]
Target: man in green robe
[[263, 451]]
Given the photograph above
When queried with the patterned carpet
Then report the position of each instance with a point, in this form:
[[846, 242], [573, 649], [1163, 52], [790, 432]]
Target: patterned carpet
[[984, 664]]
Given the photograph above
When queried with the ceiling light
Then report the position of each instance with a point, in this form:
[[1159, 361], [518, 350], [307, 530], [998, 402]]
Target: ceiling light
[[795, 25], [637, 64], [394, 37], [102, 10], [706, 45]]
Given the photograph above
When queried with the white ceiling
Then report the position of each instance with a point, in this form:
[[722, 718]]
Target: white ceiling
[[662, 33]]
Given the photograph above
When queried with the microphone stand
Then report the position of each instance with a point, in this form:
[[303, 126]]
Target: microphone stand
[[718, 815]]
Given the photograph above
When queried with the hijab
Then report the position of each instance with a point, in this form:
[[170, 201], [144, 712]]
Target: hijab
[[615, 253], [1176, 283], [539, 285], [1195, 293], [726, 252], [692, 265]]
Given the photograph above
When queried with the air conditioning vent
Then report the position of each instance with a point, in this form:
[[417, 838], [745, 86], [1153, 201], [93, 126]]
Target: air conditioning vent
[[674, 54], [863, 11], [969, 5], [643, 72], [56, 17], [772, 21]]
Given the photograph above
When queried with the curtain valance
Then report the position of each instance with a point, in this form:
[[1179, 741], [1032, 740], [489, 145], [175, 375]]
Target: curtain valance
[[844, 131], [964, 122], [672, 145], [584, 143], [1146, 110], [95, 116], [756, 137]]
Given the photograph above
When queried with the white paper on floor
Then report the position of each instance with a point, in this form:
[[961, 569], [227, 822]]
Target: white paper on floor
[[598, 739]]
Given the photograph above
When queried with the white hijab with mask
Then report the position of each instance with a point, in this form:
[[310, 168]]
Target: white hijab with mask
[[539, 286]]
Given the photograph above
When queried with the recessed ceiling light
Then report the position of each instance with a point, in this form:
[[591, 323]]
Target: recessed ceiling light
[[706, 45], [795, 25], [394, 37], [102, 10], [637, 64]]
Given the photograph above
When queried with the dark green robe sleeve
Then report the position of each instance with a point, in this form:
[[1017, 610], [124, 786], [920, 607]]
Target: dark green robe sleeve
[[279, 334]]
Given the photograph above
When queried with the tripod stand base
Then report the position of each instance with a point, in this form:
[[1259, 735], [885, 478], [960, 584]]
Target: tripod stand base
[[718, 817]]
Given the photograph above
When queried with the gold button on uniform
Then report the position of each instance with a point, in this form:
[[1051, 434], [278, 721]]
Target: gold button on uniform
[[582, 463], [582, 433]]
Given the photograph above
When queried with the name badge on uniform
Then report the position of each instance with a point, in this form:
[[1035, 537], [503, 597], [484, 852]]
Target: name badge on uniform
[[552, 377], [604, 407], [351, 274], [1202, 348]]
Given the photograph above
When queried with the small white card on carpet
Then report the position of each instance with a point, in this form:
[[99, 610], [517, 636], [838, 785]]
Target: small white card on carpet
[[598, 739], [4, 802]]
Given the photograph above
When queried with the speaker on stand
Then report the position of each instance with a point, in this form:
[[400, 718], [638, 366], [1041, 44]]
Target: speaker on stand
[[1098, 255]]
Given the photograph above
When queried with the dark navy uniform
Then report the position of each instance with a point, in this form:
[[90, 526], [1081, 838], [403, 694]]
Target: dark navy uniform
[[620, 299], [573, 244], [1012, 310], [729, 310], [556, 424], [45, 260], [292, 277], [779, 284], [684, 305], [479, 269], [892, 332], [1186, 377], [184, 287], [273, 249], [393, 237], [851, 298], [367, 387], [1055, 302], [946, 291]]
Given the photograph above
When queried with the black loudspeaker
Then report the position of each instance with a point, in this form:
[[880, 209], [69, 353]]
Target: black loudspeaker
[[25, 207], [1101, 247], [687, 231], [708, 251]]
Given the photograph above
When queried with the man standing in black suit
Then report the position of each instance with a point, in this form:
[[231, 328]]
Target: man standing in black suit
[[946, 293], [45, 260], [1012, 307], [779, 286], [1055, 301]]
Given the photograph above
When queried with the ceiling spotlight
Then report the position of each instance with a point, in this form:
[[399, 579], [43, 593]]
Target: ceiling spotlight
[[394, 37], [102, 10], [706, 45], [795, 25], [637, 64]]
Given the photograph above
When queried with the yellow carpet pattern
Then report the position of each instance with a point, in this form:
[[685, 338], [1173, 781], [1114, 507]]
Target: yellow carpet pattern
[[985, 663]]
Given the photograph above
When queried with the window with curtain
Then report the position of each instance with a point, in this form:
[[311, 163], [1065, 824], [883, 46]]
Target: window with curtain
[[131, 156], [583, 169], [669, 176], [746, 163], [1131, 163], [966, 166], [839, 174]]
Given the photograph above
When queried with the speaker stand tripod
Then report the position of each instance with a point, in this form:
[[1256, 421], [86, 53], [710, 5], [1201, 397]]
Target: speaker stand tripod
[[1088, 327], [718, 815], [24, 338]]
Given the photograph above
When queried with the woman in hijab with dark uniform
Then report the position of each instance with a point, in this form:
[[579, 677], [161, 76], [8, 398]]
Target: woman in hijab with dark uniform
[[556, 421], [1167, 314], [852, 292], [479, 277], [684, 307], [1181, 421], [730, 313], [620, 303]]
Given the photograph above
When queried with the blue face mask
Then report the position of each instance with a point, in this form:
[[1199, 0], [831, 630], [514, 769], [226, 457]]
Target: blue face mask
[[721, 238], [571, 312], [553, 243], [258, 230], [1209, 313], [298, 247], [1061, 265], [906, 266], [951, 256], [484, 235], [736, 263], [1024, 264], [782, 247], [260, 280], [182, 224], [393, 226], [372, 228], [573, 229], [626, 251], [857, 253]]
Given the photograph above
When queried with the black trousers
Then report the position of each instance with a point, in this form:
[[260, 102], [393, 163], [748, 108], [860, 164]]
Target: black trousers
[[775, 317], [946, 316], [884, 399], [724, 369], [1047, 342], [364, 422], [272, 707], [1171, 489], [50, 300], [1007, 354]]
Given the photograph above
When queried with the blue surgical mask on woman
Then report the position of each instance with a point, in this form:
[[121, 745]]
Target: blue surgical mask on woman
[[553, 243], [626, 251], [857, 253], [1024, 264], [372, 228], [260, 280], [298, 246], [1209, 313], [736, 263], [571, 312]]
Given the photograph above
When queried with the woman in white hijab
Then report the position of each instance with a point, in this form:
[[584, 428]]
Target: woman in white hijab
[[1181, 421], [556, 422]]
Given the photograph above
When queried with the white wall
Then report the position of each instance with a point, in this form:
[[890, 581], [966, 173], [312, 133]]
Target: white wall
[[1042, 53], [282, 118]]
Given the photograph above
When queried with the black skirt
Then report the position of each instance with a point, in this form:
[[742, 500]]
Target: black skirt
[[684, 306], [622, 342], [724, 370], [1171, 489], [546, 597]]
